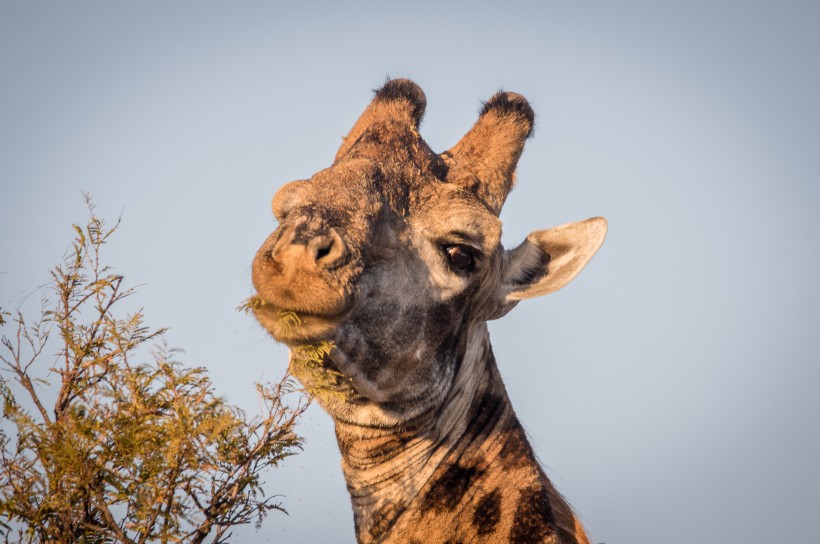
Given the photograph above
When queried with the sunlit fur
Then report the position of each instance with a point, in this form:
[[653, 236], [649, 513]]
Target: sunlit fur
[[358, 272]]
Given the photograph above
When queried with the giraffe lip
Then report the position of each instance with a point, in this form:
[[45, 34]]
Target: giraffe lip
[[300, 313], [294, 326]]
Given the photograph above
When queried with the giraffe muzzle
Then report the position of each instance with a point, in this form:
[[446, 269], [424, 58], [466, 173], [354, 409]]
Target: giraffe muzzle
[[293, 276]]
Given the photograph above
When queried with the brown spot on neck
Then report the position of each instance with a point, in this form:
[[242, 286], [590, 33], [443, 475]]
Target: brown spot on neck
[[448, 490], [533, 520], [487, 513]]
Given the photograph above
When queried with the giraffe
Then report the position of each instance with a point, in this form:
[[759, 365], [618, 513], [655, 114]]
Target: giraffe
[[381, 276]]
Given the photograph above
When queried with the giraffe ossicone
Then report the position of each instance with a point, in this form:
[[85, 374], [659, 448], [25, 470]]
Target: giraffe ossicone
[[381, 277]]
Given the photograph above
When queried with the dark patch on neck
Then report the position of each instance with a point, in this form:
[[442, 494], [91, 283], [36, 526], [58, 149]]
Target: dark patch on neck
[[449, 489], [382, 519], [533, 520], [516, 451], [487, 513]]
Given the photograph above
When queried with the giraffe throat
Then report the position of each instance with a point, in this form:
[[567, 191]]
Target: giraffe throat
[[448, 472]]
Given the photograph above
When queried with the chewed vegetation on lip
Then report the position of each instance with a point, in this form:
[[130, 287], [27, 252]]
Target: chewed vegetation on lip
[[288, 319], [251, 303], [309, 361]]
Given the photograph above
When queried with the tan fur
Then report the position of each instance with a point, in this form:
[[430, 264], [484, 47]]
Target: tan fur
[[388, 264]]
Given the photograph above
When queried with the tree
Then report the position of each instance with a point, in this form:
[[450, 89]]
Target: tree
[[127, 451]]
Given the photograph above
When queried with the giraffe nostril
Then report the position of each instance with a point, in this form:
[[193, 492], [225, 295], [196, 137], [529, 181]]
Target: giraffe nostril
[[328, 250]]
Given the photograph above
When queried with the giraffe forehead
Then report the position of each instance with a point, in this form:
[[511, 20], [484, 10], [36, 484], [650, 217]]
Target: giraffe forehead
[[447, 209], [349, 186], [391, 166], [398, 147], [363, 186]]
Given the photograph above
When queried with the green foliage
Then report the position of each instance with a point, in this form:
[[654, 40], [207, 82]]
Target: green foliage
[[129, 451]]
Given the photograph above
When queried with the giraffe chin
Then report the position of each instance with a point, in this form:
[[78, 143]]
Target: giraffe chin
[[294, 328]]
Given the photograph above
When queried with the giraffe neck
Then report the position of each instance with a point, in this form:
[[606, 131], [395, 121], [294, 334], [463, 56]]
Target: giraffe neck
[[463, 471]]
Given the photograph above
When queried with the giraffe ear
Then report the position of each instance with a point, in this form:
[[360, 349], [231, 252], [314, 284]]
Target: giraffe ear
[[548, 260]]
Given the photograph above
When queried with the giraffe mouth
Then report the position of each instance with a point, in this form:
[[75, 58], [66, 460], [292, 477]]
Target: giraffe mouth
[[293, 327]]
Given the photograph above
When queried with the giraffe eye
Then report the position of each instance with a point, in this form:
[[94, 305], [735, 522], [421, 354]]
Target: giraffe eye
[[460, 257]]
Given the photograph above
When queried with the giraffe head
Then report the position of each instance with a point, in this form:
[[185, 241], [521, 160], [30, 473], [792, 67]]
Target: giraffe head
[[392, 253]]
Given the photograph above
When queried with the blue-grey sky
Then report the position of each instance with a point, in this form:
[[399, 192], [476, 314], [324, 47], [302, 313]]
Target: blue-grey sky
[[671, 390]]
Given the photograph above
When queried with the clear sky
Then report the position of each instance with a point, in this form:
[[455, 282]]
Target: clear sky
[[671, 390]]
